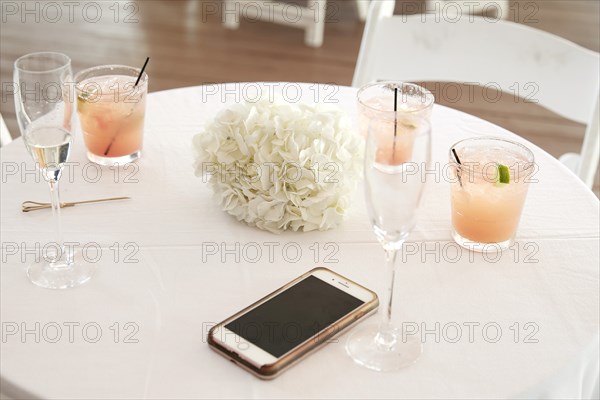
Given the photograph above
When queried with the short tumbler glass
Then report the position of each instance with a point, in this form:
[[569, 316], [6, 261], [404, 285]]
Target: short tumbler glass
[[490, 180], [111, 109], [379, 99]]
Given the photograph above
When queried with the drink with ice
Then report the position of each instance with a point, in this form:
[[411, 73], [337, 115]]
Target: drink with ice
[[377, 100], [488, 191], [395, 105], [111, 110]]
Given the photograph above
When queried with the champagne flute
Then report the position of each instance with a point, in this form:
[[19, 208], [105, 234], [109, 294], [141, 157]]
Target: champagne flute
[[397, 153], [44, 108]]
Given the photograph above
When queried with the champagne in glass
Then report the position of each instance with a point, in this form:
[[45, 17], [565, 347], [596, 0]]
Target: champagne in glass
[[50, 148], [397, 153], [44, 108]]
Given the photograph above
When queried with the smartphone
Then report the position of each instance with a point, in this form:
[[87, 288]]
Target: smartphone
[[281, 328]]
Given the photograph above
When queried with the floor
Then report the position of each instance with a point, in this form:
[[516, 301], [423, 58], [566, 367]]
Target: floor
[[188, 46]]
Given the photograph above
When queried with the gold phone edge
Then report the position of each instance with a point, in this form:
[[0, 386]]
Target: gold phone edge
[[271, 371]]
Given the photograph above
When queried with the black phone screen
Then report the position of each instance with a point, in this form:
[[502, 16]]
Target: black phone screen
[[294, 315]]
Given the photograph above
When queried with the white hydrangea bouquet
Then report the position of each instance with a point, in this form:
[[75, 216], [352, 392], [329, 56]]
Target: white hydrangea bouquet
[[281, 166]]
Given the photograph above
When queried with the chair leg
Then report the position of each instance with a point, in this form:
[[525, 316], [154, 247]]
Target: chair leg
[[5, 137], [363, 9], [590, 150], [313, 35], [231, 18], [503, 9]]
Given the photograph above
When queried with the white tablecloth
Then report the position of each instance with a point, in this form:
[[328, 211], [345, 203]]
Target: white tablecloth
[[528, 319]]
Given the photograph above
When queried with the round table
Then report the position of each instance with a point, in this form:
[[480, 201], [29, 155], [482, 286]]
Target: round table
[[522, 323]]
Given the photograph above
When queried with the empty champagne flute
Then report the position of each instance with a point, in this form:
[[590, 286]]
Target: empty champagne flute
[[44, 107], [397, 154]]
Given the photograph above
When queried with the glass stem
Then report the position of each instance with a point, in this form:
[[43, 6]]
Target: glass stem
[[58, 235], [386, 336]]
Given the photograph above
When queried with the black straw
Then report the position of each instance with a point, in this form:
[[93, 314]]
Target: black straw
[[136, 83], [456, 156], [141, 72], [459, 163], [395, 122]]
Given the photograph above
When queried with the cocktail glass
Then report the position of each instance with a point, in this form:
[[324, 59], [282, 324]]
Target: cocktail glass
[[490, 179], [377, 100], [111, 109]]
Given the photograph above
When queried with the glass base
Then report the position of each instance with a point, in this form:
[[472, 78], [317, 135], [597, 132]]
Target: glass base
[[60, 274], [481, 247], [109, 161], [367, 347]]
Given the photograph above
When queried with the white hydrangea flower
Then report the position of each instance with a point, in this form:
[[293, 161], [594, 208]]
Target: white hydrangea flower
[[281, 166]]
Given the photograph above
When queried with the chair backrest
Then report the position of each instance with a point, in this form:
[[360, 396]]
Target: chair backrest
[[454, 8], [535, 65], [5, 137]]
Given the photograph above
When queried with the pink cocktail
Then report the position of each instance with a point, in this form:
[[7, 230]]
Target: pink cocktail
[[383, 105], [111, 109], [378, 100], [394, 146], [488, 191]]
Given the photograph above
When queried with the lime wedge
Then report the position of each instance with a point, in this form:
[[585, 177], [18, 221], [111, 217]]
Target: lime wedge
[[81, 101], [503, 174]]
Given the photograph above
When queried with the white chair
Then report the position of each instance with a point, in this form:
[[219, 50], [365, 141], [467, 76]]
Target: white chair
[[560, 75], [5, 137], [453, 9], [310, 18]]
